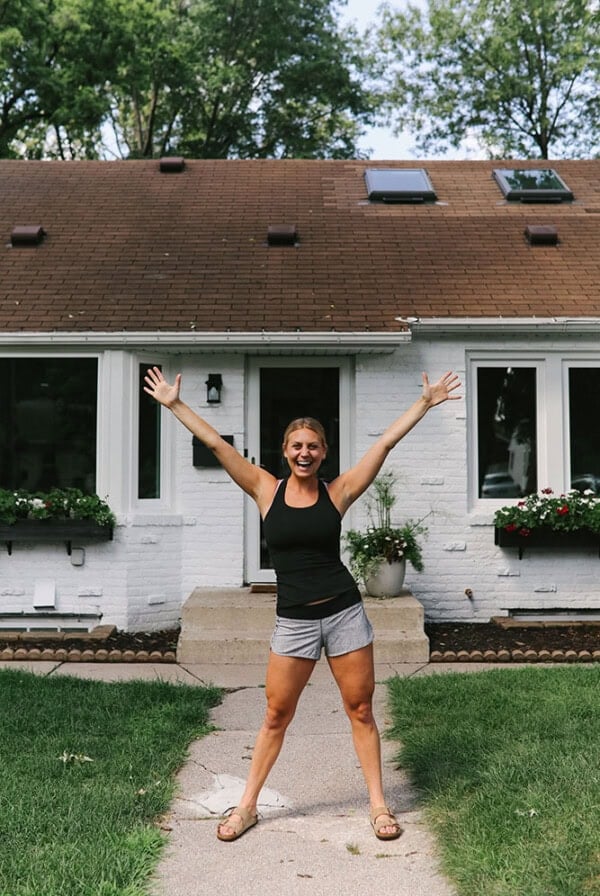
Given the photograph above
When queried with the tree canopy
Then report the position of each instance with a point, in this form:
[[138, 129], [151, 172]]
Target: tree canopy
[[205, 78], [517, 77]]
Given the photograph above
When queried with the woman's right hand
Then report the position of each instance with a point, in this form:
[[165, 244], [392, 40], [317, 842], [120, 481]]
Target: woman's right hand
[[157, 386]]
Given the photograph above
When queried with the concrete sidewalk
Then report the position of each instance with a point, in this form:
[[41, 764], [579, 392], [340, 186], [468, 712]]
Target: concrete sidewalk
[[313, 835]]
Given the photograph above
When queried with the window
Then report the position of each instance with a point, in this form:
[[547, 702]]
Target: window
[[149, 439], [532, 184], [584, 429], [48, 423], [399, 185], [533, 425], [506, 431]]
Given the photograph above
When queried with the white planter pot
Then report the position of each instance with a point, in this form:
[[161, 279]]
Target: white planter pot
[[387, 580]]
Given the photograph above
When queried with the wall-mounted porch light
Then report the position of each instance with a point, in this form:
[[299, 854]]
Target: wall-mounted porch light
[[214, 384]]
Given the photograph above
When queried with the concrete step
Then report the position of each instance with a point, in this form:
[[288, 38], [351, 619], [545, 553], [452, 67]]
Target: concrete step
[[226, 609], [235, 625]]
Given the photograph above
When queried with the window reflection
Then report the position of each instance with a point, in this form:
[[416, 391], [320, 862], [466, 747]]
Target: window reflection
[[148, 440], [48, 423], [584, 383], [506, 421]]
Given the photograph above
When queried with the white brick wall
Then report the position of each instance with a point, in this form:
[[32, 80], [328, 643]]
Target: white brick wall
[[431, 464], [212, 506], [99, 586], [141, 579]]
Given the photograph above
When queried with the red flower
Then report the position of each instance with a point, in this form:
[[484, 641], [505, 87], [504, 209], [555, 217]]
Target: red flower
[[546, 491], [510, 527], [562, 510], [524, 531], [520, 503]]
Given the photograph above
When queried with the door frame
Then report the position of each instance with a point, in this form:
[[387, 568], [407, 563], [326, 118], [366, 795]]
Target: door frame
[[252, 569]]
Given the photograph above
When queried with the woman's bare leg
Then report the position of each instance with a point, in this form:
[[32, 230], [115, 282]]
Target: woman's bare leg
[[355, 676], [286, 679]]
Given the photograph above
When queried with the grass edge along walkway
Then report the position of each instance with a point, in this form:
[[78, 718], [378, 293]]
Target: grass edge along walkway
[[88, 768], [507, 763]]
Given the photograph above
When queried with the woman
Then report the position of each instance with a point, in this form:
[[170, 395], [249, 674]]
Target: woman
[[318, 602]]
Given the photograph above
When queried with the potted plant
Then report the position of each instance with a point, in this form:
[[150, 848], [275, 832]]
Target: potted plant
[[378, 555], [547, 520], [57, 515]]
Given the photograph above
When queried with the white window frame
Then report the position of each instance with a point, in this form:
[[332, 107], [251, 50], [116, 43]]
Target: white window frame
[[569, 361], [552, 414], [117, 424], [149, 505], [59, 353]]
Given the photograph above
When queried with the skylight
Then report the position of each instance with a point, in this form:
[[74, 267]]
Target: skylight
[[399, 185], [532, 184]]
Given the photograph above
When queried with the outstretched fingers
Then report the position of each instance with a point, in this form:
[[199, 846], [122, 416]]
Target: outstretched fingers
[[159, 388], [451, 382], [442, 390]]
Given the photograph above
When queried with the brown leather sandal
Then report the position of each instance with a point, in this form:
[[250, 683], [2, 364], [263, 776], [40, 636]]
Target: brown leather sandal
[[382, 817], [245, 821]]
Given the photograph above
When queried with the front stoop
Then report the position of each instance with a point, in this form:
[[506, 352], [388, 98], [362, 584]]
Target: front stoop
[[224, 625]]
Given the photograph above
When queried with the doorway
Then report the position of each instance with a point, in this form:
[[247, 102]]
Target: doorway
[[279, 390]]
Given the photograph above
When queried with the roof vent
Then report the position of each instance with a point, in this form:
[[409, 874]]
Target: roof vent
[[27, 235], [282, 235], [172, 164], [541, 235]]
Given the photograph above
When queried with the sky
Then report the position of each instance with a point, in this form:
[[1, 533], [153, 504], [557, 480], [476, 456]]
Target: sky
[[381, 141]]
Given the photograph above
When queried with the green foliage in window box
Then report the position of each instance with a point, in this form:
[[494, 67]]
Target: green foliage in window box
[[382, 540], [568, 512], [57, 504]]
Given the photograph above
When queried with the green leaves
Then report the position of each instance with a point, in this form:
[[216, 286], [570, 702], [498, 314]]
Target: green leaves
[[567, 513], [57, 504], [381, 539], [518, 77], [142, 78]]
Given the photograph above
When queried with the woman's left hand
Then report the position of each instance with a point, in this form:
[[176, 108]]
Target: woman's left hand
[[436, 393]]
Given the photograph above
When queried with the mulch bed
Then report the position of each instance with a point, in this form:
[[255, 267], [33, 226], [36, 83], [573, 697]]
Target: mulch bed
[[104, 644], [493, 642], [449, 642]]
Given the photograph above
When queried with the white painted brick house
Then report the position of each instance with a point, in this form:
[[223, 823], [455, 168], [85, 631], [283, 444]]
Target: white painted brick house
[[307, 294]]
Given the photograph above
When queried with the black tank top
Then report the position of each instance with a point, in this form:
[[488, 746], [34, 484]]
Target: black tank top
[[304, 545]]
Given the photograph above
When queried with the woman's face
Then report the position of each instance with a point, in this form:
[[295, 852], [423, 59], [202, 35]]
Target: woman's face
[[304, 452]]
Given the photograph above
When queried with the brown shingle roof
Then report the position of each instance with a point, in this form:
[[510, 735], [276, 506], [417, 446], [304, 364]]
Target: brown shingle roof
[[128, 248]]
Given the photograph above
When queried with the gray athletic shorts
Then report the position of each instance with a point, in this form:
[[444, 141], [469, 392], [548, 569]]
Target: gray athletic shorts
[[340, 633]]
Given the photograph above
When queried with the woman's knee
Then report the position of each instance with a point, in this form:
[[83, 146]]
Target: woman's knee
[[278, 715], [360, 711]]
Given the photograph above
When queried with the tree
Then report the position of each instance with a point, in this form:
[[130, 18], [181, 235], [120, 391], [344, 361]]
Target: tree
[[55, 59], [205, 78], [241, 78], [520, 77]]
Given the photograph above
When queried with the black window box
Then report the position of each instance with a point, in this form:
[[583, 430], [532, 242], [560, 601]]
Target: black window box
[[50, 531], [543, 537]]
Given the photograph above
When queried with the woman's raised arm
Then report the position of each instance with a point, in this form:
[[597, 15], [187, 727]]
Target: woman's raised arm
[[255, 481], [350, 485]]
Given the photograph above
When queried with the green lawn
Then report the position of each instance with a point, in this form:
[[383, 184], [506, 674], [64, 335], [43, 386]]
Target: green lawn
[[508, 765], [87, 769]]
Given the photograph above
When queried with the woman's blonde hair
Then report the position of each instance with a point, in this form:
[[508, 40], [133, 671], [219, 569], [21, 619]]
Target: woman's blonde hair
[[305, 423]]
